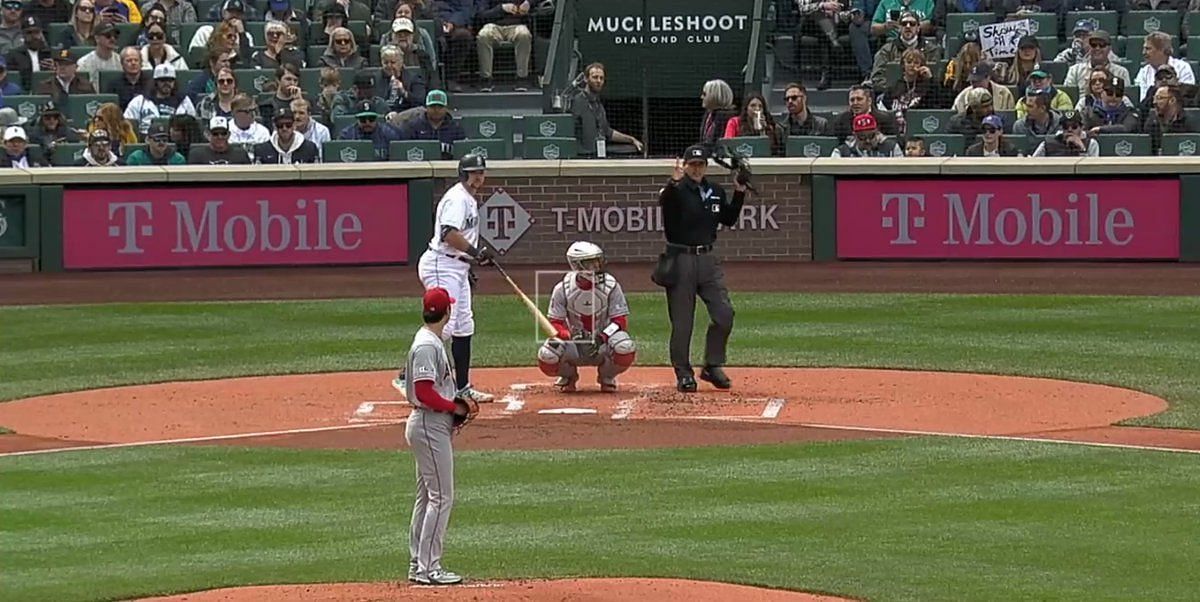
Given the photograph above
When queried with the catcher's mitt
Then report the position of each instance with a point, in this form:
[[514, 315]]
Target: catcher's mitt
[[465, 410]]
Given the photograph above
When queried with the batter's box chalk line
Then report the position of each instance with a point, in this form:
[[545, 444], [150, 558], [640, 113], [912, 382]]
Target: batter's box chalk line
[[512, 403], [624, 409]]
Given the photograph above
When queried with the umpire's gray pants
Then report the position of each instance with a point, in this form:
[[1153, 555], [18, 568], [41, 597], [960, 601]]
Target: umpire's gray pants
[[698, 275], [428, 434]]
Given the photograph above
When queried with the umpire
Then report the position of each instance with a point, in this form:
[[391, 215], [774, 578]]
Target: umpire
[[692, 208]]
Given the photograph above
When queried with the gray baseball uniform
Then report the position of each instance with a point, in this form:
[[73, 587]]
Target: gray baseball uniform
[[585, 312], [428, 434]]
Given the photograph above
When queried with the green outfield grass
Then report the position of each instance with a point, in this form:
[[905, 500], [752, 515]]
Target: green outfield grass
[[912, 519], [1146, 343]]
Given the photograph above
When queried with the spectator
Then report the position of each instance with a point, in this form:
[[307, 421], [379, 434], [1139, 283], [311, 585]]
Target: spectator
[[11, 35], [178, 12], [1079, 50], [886, 21], [913, 90], [717, 99], [163, 100], [1099, 44], [228, 36], [821, 18], [109, 118], [185, 131], [400, 88], [592, 118], [65, 81], [862, 101], [1095, 85], [155, 14], [348, 101], [331, 86], [1017, 72], [1167, 77], [797, 120], [456, 16], [51, 128], [158, 52], [7, 87], [867, 141], [1112, 115], [959, 69], [285, 146], [1168, 117], [981, 78], [354, 10], [970, 122], [342, 51], [1071, 140], [312, 130], [115, 11], [244, 129], [281, 11], [992, 142], [417, 9], [504, 21], [49, 11], [1040, 119], [1158, 51], [206, 83], [756, 120], [104, 57], [83, 23], [218, 151], [1040, 80], [133, 80], [220, 102], [99, 151], [158, 151], [34, 54], [281, 48], [16, 150], [235, 9], [369, 127], [416, 55], [895, 48], [914, 146], [331, 18], [286, 90], [435, 123]]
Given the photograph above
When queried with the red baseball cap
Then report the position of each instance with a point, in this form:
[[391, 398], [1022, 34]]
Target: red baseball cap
[[437, 299], [865, 123]]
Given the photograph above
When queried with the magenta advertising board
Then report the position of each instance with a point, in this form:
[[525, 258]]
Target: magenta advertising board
[[1008, 219], [235, 226]]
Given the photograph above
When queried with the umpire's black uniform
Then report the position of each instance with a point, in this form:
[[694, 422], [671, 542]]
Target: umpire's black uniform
[[691, 212]]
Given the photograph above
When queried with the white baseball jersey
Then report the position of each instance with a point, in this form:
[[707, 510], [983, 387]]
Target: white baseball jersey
[[457, 209], [587, 310]]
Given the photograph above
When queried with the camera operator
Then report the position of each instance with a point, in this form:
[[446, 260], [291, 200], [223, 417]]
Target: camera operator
[[692, 208]]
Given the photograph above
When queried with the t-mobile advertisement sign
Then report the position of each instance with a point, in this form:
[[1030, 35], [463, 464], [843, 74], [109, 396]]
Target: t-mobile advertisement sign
[[1008, 219], [219, 226]]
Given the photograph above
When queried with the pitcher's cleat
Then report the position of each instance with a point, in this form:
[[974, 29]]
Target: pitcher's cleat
[[439, 577], [478, 396]]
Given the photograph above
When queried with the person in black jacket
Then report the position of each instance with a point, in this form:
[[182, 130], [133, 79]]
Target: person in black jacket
[[692, 209], [16, 149], [36, 50], [285, 145], [862, 99], [798, 120]]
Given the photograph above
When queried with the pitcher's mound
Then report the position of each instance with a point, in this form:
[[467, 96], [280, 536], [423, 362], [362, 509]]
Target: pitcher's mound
[[564, 590]]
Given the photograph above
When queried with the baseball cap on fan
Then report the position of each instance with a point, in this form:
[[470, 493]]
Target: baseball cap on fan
[[437, 299]]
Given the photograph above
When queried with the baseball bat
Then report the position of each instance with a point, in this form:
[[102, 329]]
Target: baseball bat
[[542, 321]]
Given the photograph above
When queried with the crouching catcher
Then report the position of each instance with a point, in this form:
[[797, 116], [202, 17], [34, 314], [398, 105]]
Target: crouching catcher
[[589, 310]]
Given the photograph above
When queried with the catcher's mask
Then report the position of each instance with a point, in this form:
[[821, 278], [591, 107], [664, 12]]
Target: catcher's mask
[[586, 259]]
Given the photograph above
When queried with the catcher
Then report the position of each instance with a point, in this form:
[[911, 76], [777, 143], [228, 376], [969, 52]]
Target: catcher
[[589, 310], [439, 412]]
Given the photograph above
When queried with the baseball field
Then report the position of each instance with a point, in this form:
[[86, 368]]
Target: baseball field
[[948, 432]]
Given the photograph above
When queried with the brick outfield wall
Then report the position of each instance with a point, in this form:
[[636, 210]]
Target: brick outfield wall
[[620, 214]]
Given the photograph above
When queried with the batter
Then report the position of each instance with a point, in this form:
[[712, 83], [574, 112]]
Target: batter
[[590, 313], [430, 390]]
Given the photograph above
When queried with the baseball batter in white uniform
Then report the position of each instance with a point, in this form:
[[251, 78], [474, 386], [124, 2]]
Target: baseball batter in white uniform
[[589, 310], [430, 390], [447, 263]]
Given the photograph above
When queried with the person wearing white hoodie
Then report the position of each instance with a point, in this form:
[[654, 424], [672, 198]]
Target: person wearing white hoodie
[[285, 146], [98, 152], [243, 129]]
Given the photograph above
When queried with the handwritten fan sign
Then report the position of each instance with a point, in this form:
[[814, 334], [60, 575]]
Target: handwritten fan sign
[[999, 40]]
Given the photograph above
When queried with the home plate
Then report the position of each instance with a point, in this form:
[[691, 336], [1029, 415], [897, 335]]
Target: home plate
[[568, 411]]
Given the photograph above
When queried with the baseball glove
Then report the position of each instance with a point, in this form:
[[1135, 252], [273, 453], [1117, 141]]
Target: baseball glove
[[465, 410]]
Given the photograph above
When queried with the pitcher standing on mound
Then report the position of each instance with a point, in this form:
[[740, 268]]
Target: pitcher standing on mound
[[447, 264]]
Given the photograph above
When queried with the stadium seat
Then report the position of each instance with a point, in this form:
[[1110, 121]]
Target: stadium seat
[[1009, 117], [129, 149], [748, 146], [810, 146], [549, 147], [56, 34], [489, 148], [1133, 53], [958, 23], [81, 107], [944, 145], [1180, 145], [35, 152], [552, 125], [1100, 19], [415, 150], [1193, 23], [928, 121], [253, 81], [1045, 25], [187, 31], [1026, 144], [348, 151], [342, 122], [1124, 145], [1049, 46], [127, 34], [1057, 71], [1141, 22], [28, 106], [1193, 48], [204, 7], [491, 127], [67, 153]]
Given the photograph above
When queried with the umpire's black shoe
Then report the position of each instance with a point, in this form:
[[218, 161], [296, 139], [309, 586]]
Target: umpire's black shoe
[[716, 376], [686, 383]]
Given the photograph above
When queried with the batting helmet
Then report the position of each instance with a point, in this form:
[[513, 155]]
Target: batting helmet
[[470, 162]]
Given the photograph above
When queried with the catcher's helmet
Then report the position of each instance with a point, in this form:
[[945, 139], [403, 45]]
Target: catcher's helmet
[[586, 258], [470, 162]]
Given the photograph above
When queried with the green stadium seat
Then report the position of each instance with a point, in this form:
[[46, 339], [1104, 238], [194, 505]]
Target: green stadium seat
[[1026, 144], [748, 146], [1133, 53], [1193, 48], [1057, 71], [253, 81], [66, 154], [1141, 22], [81, 107], [1180, 145], [81, 51], [129, 149], [1045, 25], [1124, 145], [1193, 23], [204, 7], [348, 151], [56, 34], [811, 146], [549, 126], [489, 148], [1049, 46], [127, 34], [1009, 117], [1100, 19], [35, 152], [550, 147], [342, 122], [187, 31], [490, 127], [958, 23], [28, 106], [944, 145], [415, 150], [312, 56], [928, 121]]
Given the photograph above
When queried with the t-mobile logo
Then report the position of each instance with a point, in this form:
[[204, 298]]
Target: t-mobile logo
[[127, 227], [903, 219]]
